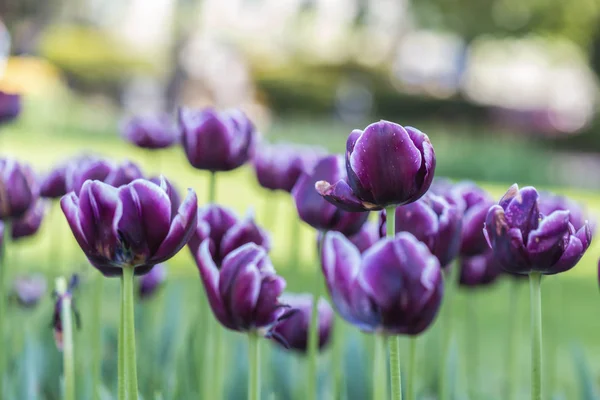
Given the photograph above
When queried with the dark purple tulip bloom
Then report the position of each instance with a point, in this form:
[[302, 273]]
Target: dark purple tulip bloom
[[479, 270], [433, 221], [28, 290], [278, 166], [10, 106], [130, 226], [366, 237], [123, 174], [476, 203], [396, 287], [244, 293], [86, 168], [30, 223], [171, 192], [292, 333], [54, 184], [225, 232], [19, 189], [216, 141], [317, 212], [153, 280], [549, 202], [524, 240], [151, 131], [387, 164]]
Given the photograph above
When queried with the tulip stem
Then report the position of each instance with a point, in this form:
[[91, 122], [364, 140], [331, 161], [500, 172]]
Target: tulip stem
[[446, 327], [379, 368], [97, 337], [412, 372], [212, 187], [253, 367], [535, 279], [394, 342], [338, 359], [128, 373], [67, 339], [472, 347], [4, 243], [313, 331], [511, 372]]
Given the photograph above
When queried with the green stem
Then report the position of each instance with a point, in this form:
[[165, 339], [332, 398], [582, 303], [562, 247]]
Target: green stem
[[447, 330], [128, 374], [535, 279], [313, 331], [67, 339], [511, 372], [218, 363], [96, 331], [472, 347], [338, 359], [394, 342], [380, 391], [3, 266], [122, 381], [412, 371], [253, 367], [212, 187]]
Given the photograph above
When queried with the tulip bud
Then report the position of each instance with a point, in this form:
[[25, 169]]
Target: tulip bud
[[151, 131], [317, 212], [123, 174], [130, 226], [479, 270], [86, 168], [523, 240], [30, 223], [292, 332], [153, 280], [395, 287], [10, 107], [28, 290], [387, 164], [216, 141], [18, 189], [54, 184]]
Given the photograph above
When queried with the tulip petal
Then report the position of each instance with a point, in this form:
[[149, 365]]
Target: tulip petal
[[99, 213], [341, 195], [584, 234], [522, 211], [425, 176], [549, 233], [268, 309], [245, 231], [70, 207], [573, 252], [242, 295]]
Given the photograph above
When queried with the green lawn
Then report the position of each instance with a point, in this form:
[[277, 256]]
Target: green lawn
[[166, 346]]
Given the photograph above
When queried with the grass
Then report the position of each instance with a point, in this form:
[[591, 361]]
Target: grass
[[167, 332]]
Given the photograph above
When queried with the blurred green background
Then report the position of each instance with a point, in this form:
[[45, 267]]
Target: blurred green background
[[507, 90]]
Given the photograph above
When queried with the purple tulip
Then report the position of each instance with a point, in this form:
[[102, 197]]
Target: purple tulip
[[216, 141], [244, 293], [366, 237], [292, 333], [130, 226], [30, 223], [123, 174], [278, 166], [153, 280], [151, 131], [433, 221], [54, 184], [86, 168], [10, 106], [28, 290], [171, 192], [524, 240], [317, 212], [19, 189], [479, 270], [549, 202], [387, 165], [225, 232], [396, 287]]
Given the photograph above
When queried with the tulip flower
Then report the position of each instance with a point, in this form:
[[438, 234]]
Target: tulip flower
[[54, 184], [10, 106], [216, 141], [28, 290], [151, 131], [549, 202], [479, 270], [153, 280], [366, 237], [225, 232], [433, 221], [292, 333], [84, 169], [18, 189], [29, 223], [387, 165], [278, 166], [525, 241], [317, 212], [130, 227], [123, 174], [244, 296]]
